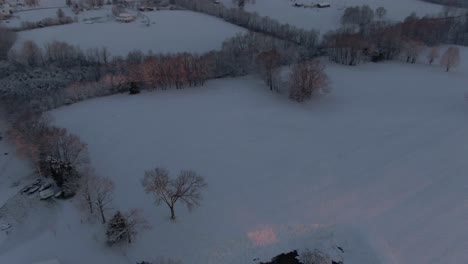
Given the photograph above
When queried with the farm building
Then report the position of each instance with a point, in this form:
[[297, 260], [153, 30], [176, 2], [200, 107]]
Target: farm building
[[323, 4], [125, 18]]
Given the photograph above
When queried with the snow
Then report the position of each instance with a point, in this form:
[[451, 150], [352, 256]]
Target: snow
[[35, 15], [169, 31], [51, 261], [378, 167], [326, 19]]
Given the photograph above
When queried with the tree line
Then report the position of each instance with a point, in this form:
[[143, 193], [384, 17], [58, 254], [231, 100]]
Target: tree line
[[361, 38]]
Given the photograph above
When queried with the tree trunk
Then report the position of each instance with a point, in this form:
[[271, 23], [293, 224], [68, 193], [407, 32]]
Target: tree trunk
[[90, 205], [103, 217], [172, 213]]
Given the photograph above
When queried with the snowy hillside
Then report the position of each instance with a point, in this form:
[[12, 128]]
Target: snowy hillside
[[378, 167]]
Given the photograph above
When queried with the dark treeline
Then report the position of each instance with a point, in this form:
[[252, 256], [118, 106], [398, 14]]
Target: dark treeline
[[457, 3], [59, 73]]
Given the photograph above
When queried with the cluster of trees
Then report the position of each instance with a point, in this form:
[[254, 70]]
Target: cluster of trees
[[96, 200], [59, 73], [54, 151], [61, 19], [57, 53], [381, 40], [255, 23], [185, 188]]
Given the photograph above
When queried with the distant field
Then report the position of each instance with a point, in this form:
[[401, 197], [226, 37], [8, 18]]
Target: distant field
[[170, 31], [329, 18]]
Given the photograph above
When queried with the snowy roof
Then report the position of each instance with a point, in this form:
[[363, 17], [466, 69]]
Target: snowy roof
[[50, 261], [125, 15]]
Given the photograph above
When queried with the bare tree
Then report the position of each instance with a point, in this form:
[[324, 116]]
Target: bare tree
[[433, 54], [31, 54], [31, 2], [268, 63], [451, 58], [381, 12], [60, 13], [7, 39], [103, 189], [185, 188], [412, 50], [307, 78], [87, 195]]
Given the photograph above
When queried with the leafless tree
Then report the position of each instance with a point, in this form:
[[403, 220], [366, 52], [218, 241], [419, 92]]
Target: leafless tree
[[185, 188], [7, 39], [268, 63], [412, 50], [433, 54], [30, 54], [381, 12], [60, 13], [451, 58], [103, 189], [87, 195], [307, 78], [66, 147], [31, 2]]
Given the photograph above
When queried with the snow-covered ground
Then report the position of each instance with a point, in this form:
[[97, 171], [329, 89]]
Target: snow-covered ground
[[34, 16], [377, 167], [169, 31], [326, 19]]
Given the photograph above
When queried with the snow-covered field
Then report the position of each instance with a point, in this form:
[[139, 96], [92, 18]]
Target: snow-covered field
[[169, 31], [35, 16], [377, 167], [327, 19]]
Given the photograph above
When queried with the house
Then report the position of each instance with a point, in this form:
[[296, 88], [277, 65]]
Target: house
[[125, 18], [323, 5]]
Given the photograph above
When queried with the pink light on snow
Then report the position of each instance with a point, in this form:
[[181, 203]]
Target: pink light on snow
[[263, 237]]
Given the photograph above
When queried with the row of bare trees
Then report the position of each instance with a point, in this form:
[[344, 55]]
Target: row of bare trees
[[255, 22], [57, 53], [382, 40]]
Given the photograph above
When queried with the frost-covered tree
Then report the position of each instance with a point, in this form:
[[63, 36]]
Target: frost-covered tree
[[451, 58], [306, 79], [186, 188], [433, 54], [125, 226], [268, 63]]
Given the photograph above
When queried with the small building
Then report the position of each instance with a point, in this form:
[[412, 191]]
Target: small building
[[323, 5], [125, 18]]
